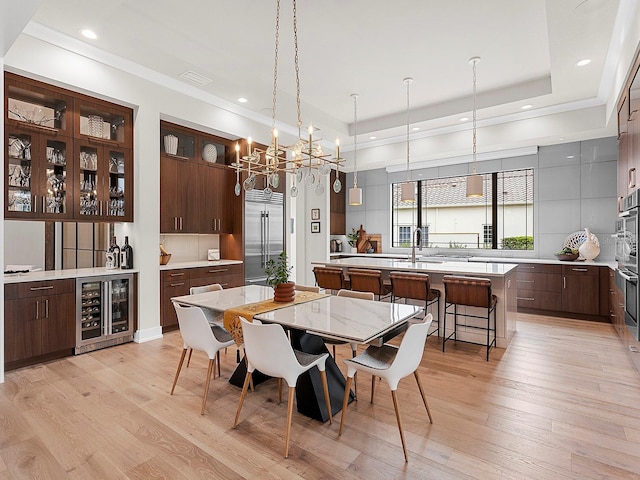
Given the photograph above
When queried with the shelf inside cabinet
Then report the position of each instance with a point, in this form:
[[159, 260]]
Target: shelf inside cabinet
[[35, 107], [101, 125]]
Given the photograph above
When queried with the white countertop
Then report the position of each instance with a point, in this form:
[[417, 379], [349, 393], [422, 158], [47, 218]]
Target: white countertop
[[198, 263], [552, 261], [476, 268], [64, 274]]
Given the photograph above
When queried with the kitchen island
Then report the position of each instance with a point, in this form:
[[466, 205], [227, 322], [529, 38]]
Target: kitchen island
[[503, 286]]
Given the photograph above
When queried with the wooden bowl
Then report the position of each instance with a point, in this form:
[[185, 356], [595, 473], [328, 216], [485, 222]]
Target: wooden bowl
[[164, 259], [567, 257]]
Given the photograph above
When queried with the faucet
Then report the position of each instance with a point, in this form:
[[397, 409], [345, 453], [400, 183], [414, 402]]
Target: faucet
[[413, 243]]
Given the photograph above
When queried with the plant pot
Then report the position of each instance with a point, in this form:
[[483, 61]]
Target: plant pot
[[354, 249], [284, 292]]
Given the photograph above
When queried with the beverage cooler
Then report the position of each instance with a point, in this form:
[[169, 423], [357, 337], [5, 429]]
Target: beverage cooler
[[104, 311]]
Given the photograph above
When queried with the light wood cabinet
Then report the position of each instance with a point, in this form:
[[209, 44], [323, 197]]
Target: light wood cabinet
[[39, 321]]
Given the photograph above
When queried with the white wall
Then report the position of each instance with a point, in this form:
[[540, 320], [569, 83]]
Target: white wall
[[24, 243]]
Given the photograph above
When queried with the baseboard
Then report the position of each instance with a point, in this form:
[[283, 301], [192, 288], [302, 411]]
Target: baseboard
[[147, 335]]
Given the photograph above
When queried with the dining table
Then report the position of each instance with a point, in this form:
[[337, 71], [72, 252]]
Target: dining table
[[309, 322]]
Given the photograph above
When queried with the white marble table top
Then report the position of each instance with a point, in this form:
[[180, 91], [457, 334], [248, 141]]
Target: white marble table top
[[343, 318]]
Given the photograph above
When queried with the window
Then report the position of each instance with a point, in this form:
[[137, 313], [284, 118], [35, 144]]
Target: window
[[501, 219]]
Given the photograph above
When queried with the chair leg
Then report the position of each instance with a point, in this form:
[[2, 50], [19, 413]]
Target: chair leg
[[218, 360], [279, 391], [334, 351], [327, 401], [287, 433], [424, 398], [175, 380], [189, 359], [373, 386], [212, 366], [395, 406], [354, 353], [247, 380], [345, 402], [250, 379]]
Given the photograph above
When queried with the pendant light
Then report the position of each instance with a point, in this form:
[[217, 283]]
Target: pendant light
[[355, 193], [474, 181], [407, 189]]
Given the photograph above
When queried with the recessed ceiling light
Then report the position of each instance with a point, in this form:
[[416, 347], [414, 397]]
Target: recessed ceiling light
[[561, 138], [415, 129], [583, 62], [570, 156], [88, 33], [464, 119], [526, 107], [243, 100], [372, 137]]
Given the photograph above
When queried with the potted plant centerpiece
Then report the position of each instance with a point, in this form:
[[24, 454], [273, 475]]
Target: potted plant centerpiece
[[353, 238], [278, 273]]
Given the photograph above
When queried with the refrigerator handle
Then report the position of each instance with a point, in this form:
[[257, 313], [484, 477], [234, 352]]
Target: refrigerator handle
[[268, 239]]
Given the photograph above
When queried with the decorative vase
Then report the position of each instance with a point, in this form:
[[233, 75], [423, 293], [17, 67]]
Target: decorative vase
[[284, 292], [171, 144], [589, 249]]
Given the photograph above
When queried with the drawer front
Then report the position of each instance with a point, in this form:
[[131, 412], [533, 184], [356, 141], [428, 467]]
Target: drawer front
[[542, 282], [168, 276], [43, 288], [539, 268], [580, 270], [539, 300], [216, 270]]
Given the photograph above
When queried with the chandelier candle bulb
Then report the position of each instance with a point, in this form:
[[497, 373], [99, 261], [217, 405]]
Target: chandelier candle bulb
[[237, 152], [337, 148], [249, 141]]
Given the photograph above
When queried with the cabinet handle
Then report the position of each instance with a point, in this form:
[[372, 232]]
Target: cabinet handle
[[527, 267], [176, 284], [220, 270], [175, 223], [526, 281], [632, 177], [46, 308], [100, 205], [564, 282], [35, 204], [47, 287], [37, 309], [528, 299], [580, 269], [620, 199], [176, 274], [224, 284], [180, 223], [43, 206]]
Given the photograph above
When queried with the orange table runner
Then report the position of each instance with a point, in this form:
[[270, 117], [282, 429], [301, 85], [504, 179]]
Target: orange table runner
[[232, 315]]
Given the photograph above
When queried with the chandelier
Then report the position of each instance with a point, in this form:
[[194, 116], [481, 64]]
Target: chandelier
[[307, 163]]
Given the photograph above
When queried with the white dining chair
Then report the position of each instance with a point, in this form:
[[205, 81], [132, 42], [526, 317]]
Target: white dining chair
[[392, 364], [268, 350], [212, 317], [199, 335]]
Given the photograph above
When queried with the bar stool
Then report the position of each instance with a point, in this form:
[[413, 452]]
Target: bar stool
[[369, 280], [471, 292], [416, 286], [329, 278]]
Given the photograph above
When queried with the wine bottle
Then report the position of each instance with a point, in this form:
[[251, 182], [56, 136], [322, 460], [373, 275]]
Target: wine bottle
[[126, 255], [114, 249]]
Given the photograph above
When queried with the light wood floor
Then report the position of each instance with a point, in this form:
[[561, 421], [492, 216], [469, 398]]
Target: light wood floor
[[563, 401]]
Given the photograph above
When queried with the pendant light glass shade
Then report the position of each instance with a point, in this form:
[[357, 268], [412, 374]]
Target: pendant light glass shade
[[408, 192], [355, 193], [474, 181], [474, 185], [355, 196]]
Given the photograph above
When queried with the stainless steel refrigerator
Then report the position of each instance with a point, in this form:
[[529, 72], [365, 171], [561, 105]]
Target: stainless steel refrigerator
[[264, 233]]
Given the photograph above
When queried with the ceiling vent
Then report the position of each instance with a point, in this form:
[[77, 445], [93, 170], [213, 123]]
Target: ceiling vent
[[196, 78]]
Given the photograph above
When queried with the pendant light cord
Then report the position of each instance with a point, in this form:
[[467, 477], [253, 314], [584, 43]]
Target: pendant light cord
[[408, 81], [474, 62]]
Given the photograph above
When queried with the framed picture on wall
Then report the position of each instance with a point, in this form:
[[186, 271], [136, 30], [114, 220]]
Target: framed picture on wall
[[315, 214], [315, 227]]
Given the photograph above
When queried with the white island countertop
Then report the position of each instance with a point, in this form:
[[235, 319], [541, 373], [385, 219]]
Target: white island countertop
[[471, 268]]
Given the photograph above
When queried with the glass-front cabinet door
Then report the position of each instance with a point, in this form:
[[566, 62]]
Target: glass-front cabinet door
[[89, 181], [92, 314], [120, 170], [18, 185], [121, 306]]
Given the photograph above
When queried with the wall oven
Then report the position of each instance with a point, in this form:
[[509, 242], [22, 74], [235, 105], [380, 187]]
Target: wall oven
[[627, 232]]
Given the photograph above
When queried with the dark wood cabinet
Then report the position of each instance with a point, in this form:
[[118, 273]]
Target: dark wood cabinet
[[216, 211], [196, 184], [68, 157], [177, 282], [337, 205], [581, 289], [179, 200], [39, 321], [566, 289]]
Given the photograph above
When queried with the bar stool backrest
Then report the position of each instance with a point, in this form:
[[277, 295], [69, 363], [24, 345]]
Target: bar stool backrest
[[329, 278], [366, 280], [471, 291], [410, 285]]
